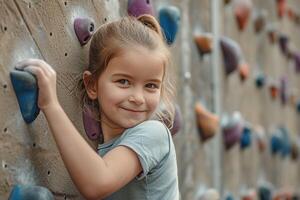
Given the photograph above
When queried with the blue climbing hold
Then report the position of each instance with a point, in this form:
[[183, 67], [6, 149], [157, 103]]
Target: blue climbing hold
[[24, 192], [169, 19], [260, 80], [245, 140], [26, 90], [276, 143]]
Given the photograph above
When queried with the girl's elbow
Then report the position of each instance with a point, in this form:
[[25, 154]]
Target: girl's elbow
[[95, 193]]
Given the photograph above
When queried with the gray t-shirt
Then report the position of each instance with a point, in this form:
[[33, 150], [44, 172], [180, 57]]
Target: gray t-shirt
[[152, 142]]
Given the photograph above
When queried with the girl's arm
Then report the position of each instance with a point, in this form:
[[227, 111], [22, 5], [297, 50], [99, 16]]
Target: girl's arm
[[95, 177]]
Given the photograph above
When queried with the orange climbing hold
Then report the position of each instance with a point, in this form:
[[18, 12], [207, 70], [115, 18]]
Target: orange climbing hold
[[281, 7], [242, 12], [207, 122], [204, 43], [244, 71]]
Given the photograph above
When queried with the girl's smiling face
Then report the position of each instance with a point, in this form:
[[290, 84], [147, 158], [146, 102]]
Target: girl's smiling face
[[129, 89]]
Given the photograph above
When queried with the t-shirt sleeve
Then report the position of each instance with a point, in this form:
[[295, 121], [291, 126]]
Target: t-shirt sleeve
[[150, 141]]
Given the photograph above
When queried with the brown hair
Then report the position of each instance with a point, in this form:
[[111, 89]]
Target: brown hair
[[111, 39]]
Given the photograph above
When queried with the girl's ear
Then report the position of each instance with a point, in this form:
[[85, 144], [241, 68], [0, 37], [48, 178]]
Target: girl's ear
[[90, 85]]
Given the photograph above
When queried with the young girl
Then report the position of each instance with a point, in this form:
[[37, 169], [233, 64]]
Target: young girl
[[127, 82]]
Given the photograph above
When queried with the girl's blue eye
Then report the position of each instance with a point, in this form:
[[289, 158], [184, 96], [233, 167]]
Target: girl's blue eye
[[152, 86]]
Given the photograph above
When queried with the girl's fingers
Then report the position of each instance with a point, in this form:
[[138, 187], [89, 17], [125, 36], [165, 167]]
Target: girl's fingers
[[38, 72], [35, 62]]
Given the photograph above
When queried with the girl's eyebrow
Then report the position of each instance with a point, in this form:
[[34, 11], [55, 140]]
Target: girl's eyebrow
[[128, 76]]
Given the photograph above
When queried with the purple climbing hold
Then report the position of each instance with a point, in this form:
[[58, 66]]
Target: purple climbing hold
[[283, 43], [283, 89], [297, 62], [84, 29], [232, 54], [232, 127], [92, 127], [26, 89], [140, 7], [177, 123]]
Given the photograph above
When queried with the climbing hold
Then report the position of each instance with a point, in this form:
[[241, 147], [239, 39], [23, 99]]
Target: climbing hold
[[260, 137], [232, 54], [26, 192], [84, 29], [290, 13], [169, 19], [210, 194], [244, 71], [177, 123], [92, 127], [140, 7], [264, 192], [242, 12], [286, 143], [294, 151], [273, 88], [249, 194], [232, 127], [298, 106], [272, 33], [227, 2], [260, 20], [276, 142], [297, 62], [283, 89], [281, 7], [260, 80], [246, 140], [204, 43], [229, 196], [26, 89], [207, 122], [283, 44]]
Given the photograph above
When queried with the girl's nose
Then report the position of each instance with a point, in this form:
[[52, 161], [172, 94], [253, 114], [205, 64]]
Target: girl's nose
[[137, 97]]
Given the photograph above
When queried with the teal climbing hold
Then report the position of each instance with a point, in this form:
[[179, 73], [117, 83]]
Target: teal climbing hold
[[25, 192], [246, 137], [169, 19], [26, 89]]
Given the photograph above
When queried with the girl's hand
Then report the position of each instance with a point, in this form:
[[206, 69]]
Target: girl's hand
[[46, 78]]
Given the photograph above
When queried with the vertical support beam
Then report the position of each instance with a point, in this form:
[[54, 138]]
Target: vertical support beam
[[217, 142]]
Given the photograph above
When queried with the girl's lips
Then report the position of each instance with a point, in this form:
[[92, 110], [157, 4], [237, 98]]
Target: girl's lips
[[132, 110]]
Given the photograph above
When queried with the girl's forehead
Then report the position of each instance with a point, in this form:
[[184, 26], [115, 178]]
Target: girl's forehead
[[138, 61]]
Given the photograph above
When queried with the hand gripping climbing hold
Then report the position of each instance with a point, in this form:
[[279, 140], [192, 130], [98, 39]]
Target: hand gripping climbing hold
[[169, 19], [26, 89], [207, 122], [25, 192], [140, 7], [92, 127], [242, 11], [232, 54], [84, 29]]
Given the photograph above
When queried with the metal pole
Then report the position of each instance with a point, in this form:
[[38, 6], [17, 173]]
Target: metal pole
[[217, 143]]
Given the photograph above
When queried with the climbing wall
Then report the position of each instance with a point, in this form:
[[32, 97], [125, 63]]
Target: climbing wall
[[44, 29]]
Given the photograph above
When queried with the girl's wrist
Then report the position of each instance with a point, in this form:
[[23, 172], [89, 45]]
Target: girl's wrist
[[51, 107]]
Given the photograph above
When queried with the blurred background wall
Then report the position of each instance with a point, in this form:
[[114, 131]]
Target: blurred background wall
[[44, 29]]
